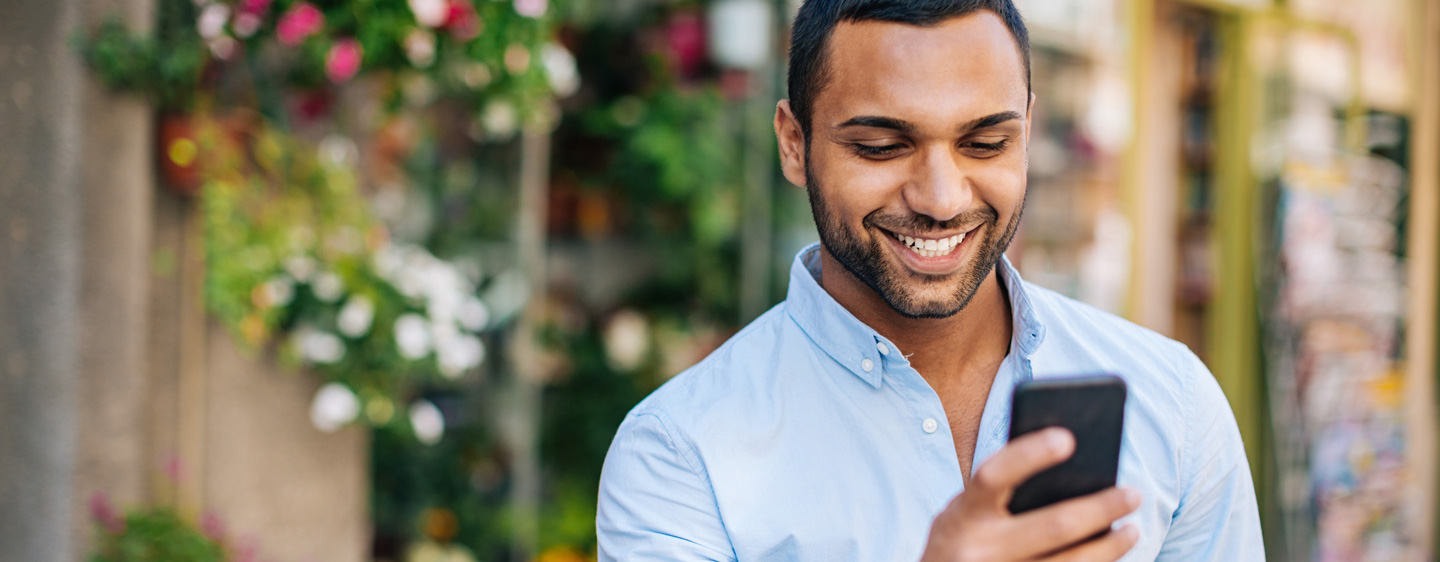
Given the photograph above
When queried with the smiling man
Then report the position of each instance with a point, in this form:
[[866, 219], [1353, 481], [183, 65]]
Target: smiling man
[[865, 417]]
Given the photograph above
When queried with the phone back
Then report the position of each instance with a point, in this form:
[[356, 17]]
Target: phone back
[[1093, 409]]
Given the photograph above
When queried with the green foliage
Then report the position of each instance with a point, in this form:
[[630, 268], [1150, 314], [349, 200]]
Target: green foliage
[[504, 61], [156, 535], [291, 245], [677, 149], [463, 473], [166, 71]]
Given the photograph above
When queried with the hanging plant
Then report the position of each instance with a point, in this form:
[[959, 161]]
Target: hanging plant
[[296, 259], [481, 51], [153, 533]]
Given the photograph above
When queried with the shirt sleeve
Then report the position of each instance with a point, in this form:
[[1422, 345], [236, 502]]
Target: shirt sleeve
[[1217, 518], [656, 502]]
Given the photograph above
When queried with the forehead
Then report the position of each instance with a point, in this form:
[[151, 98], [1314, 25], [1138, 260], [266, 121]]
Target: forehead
[[957, 70]]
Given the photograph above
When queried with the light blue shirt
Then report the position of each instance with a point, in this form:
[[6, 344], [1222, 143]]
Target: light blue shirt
[[808, 436]]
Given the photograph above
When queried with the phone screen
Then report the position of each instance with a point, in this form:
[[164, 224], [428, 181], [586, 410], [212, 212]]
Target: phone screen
[[1093, 409]]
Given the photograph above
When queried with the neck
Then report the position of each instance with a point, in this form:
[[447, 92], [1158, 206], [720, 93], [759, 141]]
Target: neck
[[943, 348]]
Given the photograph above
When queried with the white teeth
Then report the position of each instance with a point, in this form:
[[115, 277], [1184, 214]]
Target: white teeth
[[932, 248]]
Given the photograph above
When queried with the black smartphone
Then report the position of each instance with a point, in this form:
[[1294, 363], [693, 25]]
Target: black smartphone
[[1093, 409]]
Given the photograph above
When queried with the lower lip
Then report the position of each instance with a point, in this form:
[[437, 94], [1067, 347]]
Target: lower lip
[[938, 265]]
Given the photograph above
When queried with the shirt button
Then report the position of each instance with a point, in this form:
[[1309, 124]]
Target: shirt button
[[868, 365], [884, 349], [930, 425]]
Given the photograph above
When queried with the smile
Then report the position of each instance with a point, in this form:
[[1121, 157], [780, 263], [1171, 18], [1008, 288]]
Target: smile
[[931, 248]]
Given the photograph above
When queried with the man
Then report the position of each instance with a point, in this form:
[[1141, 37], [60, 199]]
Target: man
[[847, 422]]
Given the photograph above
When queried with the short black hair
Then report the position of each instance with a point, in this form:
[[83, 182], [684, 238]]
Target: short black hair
[[816, 21]]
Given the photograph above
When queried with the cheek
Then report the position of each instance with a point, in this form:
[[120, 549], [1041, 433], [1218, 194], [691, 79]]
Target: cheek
[[1002, 184], [852, 187]]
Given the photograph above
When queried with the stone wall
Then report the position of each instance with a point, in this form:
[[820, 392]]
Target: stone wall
[[112, 381]]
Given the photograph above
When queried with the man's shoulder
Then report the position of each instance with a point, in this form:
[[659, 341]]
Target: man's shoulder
[[1162, 374], [1077, 330]]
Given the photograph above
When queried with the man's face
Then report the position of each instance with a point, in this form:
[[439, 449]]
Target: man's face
[[916, 161]]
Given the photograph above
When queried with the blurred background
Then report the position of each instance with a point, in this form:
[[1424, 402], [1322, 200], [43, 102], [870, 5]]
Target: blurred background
[[353, 280]]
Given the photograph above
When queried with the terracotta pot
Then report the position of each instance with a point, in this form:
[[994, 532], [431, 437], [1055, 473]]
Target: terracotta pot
[[178, 152]]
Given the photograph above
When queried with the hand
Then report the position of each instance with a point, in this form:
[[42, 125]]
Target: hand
[[977, 525]]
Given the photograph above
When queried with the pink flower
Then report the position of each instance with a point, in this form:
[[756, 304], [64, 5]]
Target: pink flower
[[104, 513], [531, 8], [257, 7], [430, 13], [212, 526], [343, 61], [462, 21], [300, 21], [173, 468]]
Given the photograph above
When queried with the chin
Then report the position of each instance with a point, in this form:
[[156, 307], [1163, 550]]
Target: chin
[[916, 309]]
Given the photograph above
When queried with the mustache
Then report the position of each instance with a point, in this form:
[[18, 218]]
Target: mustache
[[914, 222]]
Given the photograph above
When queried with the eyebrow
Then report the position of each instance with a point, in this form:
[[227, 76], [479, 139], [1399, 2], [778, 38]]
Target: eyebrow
[[907, 127]]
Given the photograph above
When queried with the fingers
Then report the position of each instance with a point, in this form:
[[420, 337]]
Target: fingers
[[1071, 521], [1108, 548], [1017, 461]]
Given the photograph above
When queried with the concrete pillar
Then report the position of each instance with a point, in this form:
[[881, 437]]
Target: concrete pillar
[[40, 256], [118, 187]]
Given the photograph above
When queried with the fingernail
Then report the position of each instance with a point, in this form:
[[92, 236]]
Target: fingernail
[[1059, 440], [1132, 498]]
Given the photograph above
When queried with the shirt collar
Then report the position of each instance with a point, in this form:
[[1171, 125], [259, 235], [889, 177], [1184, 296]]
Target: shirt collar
[[856, 346]]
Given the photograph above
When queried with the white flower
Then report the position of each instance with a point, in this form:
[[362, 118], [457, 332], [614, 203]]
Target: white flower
[[301, 267], [474, 74], [627, 339], [506, 295], [223, 47], [531, 8], [320, 347], [412, 336], [473, 315], [430, 13], [334, 406], [460, 354], [517, 58], [420, 47], [279, 290], [339, 151], [387, 261], [246, 24], [328, 287], [560, 68], [427, 421], [211, 22], [356, 316], [500, 119]]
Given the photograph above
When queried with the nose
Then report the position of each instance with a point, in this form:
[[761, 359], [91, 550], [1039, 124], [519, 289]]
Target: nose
[[939, 187]]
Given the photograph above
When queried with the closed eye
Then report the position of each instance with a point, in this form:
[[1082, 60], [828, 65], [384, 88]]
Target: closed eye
[[986, 149], [876, 151]]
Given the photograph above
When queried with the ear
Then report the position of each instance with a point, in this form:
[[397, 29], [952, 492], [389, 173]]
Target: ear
[[792, 143], [1029, 112]]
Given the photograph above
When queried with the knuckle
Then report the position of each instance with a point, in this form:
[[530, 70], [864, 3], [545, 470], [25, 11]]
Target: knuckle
[[976, 553], [984, 476], [1056, 527], [1116, 504]]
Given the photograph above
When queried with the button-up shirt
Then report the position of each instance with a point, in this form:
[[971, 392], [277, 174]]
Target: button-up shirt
[[809, 436]]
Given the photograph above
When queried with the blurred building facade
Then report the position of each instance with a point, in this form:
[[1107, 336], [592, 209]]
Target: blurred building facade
[[1259, 179]]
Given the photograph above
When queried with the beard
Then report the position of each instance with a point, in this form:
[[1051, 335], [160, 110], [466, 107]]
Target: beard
[[867, 261]]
